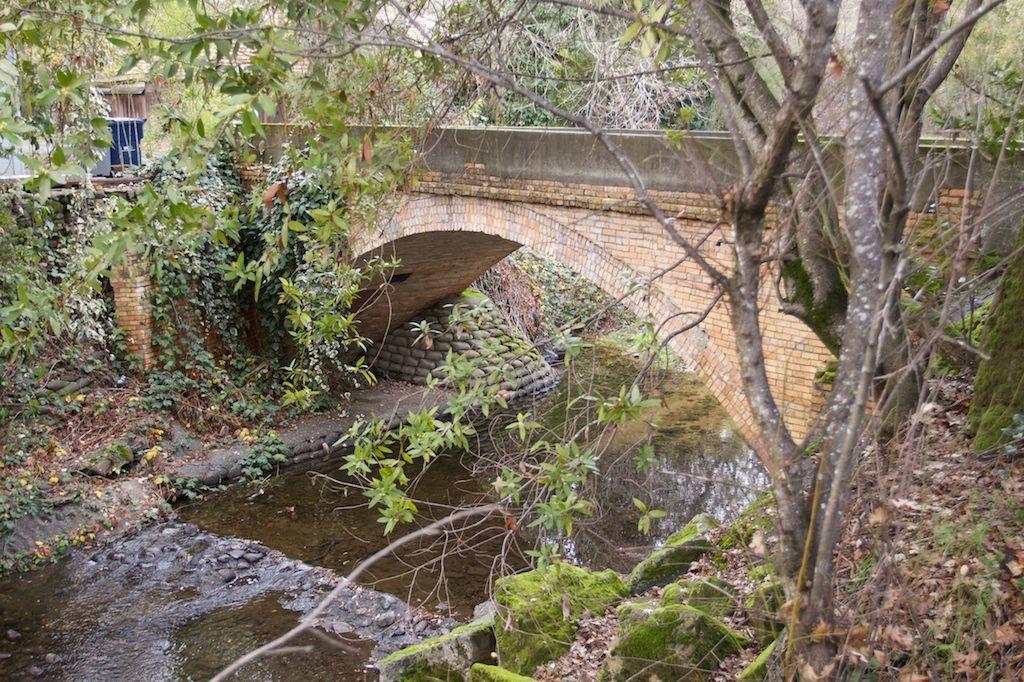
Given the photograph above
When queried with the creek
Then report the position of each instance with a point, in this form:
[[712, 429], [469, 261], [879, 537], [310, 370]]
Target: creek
[[179, 599]]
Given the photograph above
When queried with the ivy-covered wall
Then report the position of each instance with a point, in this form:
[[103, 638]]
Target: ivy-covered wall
[[999, 384]]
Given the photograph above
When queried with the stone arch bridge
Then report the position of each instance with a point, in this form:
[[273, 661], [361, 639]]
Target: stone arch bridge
[[481, 193], [484, 192]]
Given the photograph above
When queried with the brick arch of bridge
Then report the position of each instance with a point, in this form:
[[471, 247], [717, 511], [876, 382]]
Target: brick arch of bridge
[[445, 242]]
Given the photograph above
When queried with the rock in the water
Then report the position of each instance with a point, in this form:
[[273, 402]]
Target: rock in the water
[[673, 642], [673, 560], [13, 634], [538, 611], [492, 673], [445, 657], [711, 595]]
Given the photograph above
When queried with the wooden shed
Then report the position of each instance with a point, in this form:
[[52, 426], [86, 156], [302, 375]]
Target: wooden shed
[[129, 99]]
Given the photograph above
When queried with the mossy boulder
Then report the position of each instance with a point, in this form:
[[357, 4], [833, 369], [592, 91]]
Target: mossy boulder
[[988, 433], [999, 383], [758, 668], [762, 610], [672, 560], [668, 642], [110, 459], [711, 595], [756, 517], [493, 673], [448, 657], [537, 612]]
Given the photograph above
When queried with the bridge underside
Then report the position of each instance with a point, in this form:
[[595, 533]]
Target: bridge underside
[[433, 268]]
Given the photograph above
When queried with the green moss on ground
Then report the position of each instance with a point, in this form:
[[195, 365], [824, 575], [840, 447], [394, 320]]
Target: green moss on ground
[[762, 608], [758, 668], [999, 383], [670, 642], [673, 560], [711, 595], [531, 626], [756, 517], [492, 673]]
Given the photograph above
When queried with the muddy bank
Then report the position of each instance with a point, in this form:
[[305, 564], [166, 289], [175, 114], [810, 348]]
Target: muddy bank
[[312, 437], [142, 494]]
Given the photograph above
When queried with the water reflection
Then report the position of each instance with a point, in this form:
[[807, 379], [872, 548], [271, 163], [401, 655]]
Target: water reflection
[[684, 457]]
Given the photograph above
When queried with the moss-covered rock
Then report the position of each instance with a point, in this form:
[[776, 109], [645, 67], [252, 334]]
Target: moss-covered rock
[[668, 642], [448, 657], [538, 611], [999, 383], [110, 459], [762, 608], [493, 673], [758, 668], [667, 563], [711, 595]]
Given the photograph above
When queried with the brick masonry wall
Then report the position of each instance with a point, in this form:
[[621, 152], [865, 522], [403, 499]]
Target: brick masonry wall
[[604, 234], [132, 311]]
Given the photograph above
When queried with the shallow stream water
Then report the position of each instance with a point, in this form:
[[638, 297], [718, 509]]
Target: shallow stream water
[[180, 599]]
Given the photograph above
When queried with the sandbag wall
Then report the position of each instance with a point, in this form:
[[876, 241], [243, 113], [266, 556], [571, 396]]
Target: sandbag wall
[[468, 326]]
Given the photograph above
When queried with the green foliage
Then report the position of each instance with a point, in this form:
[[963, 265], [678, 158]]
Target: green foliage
[[266, 452], [204, 371], [48, 287], [647, 515], [19, 493], [575, 60], [277, 272], [1001, 83]]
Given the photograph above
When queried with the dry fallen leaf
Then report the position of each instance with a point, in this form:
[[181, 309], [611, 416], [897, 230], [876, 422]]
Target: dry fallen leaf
[[278, 190], [912, 676], [900, 636], [757, 545]]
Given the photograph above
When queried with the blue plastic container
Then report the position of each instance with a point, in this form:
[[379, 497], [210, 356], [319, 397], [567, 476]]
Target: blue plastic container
[[127, 135]]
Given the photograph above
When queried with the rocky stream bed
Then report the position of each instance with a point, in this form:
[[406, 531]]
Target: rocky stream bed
[[181, 598]]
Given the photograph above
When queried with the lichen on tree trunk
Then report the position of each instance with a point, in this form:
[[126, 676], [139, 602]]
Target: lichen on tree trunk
[[999, 383]]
